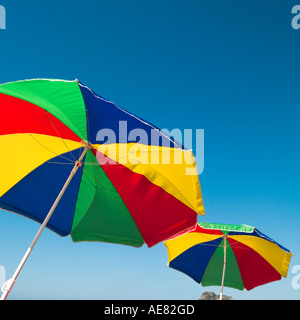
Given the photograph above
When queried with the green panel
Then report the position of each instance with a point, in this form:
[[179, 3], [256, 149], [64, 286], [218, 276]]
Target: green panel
[[213, 273], [87, 190], [100, 213], [225, 228], [63, 99]]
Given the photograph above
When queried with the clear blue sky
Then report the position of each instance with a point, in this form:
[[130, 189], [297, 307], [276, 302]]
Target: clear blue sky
[[228, 67]]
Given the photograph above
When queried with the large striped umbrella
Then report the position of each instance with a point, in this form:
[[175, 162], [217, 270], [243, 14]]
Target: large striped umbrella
[[236, 256], [81, 166]]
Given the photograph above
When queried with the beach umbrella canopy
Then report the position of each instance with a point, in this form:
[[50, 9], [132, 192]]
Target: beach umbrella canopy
[[82, 166], [236, 256]]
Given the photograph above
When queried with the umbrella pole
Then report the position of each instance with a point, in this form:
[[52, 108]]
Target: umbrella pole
[[9, 283], [224, 267]]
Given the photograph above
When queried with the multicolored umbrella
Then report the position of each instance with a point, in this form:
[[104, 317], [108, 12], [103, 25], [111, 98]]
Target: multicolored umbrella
[[236, 256], [84, 167]]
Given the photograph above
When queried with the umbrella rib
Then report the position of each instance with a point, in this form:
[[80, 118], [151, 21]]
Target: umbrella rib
[[89, 176], [86, 124], [85, 131], [234, 242], [60, 136], [53, 162], [58, 155]]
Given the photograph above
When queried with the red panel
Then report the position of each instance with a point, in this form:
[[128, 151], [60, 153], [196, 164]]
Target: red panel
[[157, 214], [199, 229], [209, 231], [19, 116], [255, 270]]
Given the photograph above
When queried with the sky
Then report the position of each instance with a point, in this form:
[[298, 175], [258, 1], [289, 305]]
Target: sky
[[228, 67]]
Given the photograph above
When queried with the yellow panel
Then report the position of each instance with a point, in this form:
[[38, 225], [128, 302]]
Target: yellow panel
[[277, 257], [178, 245], [22, 153], [174, 170]]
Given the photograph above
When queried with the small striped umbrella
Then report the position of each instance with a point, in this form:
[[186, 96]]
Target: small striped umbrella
[[236, 256]]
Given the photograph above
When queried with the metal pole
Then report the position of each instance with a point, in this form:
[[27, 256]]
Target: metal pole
[[9, 283], [224, 267]]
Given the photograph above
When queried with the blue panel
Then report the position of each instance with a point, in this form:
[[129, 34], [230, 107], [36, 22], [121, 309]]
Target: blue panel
[[103, 114], [194, 261], [34, 195]]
